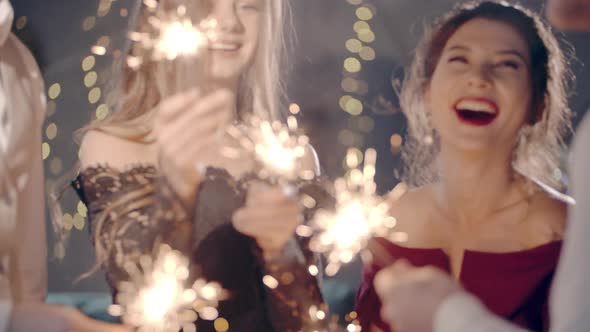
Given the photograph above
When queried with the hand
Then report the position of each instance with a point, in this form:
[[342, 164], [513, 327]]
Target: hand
[[410, 296], [270, 216], [187, 125], [28, 317]]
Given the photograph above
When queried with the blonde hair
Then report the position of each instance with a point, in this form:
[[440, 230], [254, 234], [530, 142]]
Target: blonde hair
[[539, 143], [135, 93]]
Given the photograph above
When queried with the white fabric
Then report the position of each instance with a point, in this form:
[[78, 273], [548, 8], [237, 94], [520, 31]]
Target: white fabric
[[5, 310], [570, 296], [463, 312], [7, 188], [23, 248], [5, 297]]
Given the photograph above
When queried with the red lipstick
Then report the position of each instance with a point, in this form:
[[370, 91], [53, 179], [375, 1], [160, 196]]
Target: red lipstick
[[476, 111]]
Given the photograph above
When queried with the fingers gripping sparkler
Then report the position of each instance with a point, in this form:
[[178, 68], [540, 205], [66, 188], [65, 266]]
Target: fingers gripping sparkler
[[359, 215]]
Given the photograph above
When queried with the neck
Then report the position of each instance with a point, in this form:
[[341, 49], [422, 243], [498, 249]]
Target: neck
[[473, 185], [231, 84]]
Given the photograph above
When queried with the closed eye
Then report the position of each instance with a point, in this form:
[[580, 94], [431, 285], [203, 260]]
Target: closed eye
[[458, 59], [509, 64], [250, 5]]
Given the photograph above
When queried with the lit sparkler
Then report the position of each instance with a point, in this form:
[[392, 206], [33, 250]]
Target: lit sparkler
[[173, 31], [156, 299], [278, 148], [359, 214]]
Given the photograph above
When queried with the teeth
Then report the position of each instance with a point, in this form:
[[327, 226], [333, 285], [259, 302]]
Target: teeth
[[223, 47], [477, 106]]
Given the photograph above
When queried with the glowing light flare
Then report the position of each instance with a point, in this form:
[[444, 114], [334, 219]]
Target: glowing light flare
[[157, 299], [278, 148], [274, 151], [359, 215], [179, 38], [172, 34]]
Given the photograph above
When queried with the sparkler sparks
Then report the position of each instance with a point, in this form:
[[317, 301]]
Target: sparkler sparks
[[279, 149], [171, 33], [178, 38], [156, 298], [359, 215]]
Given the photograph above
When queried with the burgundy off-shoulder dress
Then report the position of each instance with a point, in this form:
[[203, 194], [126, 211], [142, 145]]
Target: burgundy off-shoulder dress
[[512, 285]]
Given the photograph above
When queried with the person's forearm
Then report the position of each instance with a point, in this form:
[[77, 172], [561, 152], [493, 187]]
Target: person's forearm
[[30, 256], [31, 253]]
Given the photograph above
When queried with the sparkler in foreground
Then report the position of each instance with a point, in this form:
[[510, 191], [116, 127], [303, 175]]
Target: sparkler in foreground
[[173, 31], [156, 299], [359, 214], [278, 148]]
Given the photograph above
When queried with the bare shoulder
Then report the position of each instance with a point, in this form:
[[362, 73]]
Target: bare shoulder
[[101, 148], [548, 214]]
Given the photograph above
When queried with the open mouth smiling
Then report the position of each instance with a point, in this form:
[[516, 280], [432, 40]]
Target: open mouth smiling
[[476, 111]]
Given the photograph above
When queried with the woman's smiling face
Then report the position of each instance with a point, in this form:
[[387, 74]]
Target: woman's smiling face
[[480, 92]]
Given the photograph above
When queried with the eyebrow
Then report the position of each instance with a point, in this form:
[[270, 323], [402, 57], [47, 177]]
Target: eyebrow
[[509, 52]]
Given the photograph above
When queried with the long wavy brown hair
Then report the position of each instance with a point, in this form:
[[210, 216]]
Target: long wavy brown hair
[[537, 150]]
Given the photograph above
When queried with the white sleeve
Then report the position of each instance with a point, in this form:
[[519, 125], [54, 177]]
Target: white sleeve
[[463, 312], [5, 312], [570, 297], [5, 297]]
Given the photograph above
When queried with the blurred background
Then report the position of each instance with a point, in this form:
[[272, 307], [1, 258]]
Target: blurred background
[[344, 61]]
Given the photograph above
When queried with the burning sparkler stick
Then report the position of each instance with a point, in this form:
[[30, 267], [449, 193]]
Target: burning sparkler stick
[[157, 298], [173, 34], [174, 30], [359, 215], [278, 148]]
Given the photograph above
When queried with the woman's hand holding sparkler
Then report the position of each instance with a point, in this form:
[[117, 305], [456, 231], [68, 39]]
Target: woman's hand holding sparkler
[[270, 216], [412, 295], [187, 125]]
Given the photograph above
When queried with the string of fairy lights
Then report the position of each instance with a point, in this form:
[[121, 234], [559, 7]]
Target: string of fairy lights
[[353, 87], [92, 81], [354, 91], [354, 101]]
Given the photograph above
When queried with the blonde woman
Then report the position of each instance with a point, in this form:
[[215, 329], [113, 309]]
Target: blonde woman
[[153, 172]]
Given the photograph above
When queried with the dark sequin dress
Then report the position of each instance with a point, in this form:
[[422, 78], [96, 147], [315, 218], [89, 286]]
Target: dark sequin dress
[[132, 211]]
